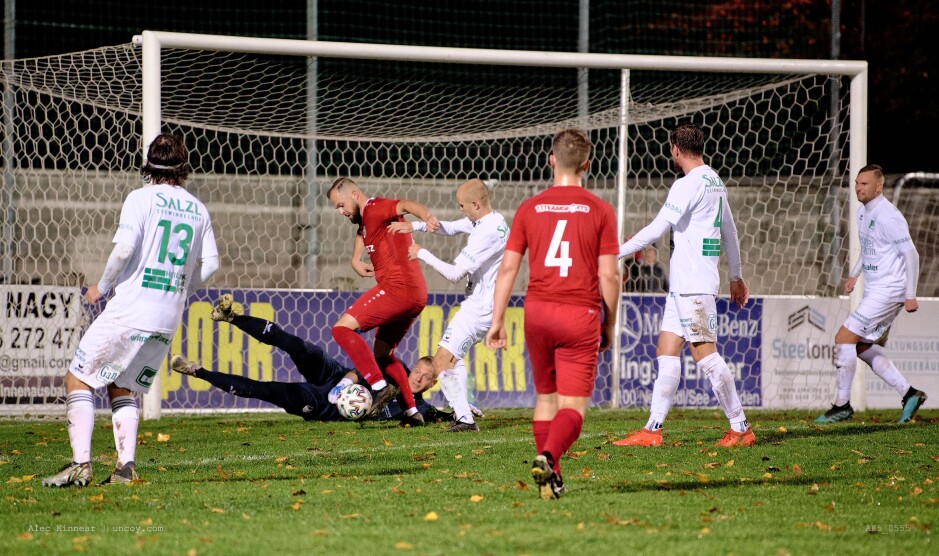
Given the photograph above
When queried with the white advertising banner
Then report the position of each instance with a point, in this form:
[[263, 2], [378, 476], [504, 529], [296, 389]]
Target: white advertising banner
[[40, 329], [798, 353]]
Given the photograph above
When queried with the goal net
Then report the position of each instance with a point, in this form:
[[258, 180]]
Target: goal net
[[268, 130]]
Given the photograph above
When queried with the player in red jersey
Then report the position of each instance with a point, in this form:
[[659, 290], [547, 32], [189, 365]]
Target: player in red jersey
[[392, 305], [572, 244]]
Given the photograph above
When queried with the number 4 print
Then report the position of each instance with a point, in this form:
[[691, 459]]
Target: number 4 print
[[559, 252]]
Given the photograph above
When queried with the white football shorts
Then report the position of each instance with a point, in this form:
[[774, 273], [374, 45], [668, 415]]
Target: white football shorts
[[872, 318], [693, 317], [127, 357], [464, 330]]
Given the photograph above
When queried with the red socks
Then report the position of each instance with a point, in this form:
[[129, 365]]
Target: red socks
[[358, 351], [395, 371], [564, 431]]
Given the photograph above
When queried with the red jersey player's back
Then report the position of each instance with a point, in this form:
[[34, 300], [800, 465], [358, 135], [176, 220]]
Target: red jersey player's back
[[565, 230], [389, 252]]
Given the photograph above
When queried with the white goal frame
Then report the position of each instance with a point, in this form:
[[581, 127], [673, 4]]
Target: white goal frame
[[153, 41]]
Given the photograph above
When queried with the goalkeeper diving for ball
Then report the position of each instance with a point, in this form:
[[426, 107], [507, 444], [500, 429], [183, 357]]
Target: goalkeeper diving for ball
[[304, 399]]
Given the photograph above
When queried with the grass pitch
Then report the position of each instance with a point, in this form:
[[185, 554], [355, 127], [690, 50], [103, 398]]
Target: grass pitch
[[271, 483]]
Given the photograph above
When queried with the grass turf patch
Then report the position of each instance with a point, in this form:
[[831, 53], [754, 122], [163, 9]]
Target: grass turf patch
[[267, 482]]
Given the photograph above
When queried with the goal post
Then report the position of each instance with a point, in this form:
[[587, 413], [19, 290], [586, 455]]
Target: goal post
[[413, 122]]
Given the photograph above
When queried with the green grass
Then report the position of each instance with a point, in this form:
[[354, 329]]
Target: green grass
[[269, 483]]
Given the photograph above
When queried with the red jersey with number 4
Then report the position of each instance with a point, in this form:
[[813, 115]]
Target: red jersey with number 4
[[389, 252], [565, 230]]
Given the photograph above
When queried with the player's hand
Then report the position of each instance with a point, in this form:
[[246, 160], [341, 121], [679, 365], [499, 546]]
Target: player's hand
[[739, 293], [364, 270], [432, 223], [495, 338], [400, 228], [911, 305], [93, 295], [606, 338], [412, 251], [850, 283]]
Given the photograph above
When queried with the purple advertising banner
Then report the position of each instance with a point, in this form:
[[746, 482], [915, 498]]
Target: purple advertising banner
[[739, 342]]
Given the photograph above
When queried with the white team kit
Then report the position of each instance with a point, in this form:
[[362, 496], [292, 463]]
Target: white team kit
[[171, 232], [481, 257], [885, 237], [702, 225]]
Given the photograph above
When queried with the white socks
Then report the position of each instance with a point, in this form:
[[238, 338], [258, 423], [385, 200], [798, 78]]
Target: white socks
[[722, 381], [80, 413], [884, 367], [663, 390], [453, 386], [846, 365], [125, 417]]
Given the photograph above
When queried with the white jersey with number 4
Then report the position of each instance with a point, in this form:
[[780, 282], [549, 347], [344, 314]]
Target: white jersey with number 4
[[698, 211], [171, 233], [885, 237]]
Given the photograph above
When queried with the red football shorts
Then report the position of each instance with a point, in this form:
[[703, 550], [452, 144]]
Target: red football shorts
[[563, 343], [390, 314]]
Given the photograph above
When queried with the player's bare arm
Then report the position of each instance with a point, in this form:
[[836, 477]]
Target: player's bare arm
[[401, 228], [610, 294], [505, 280], [360, 267], [420, 211]]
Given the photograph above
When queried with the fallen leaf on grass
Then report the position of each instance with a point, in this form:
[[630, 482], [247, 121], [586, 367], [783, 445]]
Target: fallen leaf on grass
[[796, 469], [783, 429], [916, 491], [387, 442], [475, 498], [730, 463], [163, 437], [281, 459], [296, 505], [96, 498], [813, 490], [24, 536], [397, 490], [218, 469], [712, 465], [404, 546], [431, 516], [218, 511], [349, 516], [520, 485], [148, 521], [300, 492], [586, 472]]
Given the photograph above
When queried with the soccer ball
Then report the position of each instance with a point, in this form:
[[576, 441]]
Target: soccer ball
[[354, 402]]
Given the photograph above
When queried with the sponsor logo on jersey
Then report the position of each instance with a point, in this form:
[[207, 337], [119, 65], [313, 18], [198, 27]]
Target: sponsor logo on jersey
[[109, 372], [180, 205], [870, 267], [571, 208]]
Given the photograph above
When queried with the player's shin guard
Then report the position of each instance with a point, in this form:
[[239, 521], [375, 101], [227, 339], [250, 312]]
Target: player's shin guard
[[453, 386], [845, 365], [884, 367], [663, 390], [565, 430], [80, 414], [722, 382], [125, 416], [361, 355], [395, 370]]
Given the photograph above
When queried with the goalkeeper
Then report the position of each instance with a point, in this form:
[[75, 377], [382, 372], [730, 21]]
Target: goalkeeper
[[304, 399]]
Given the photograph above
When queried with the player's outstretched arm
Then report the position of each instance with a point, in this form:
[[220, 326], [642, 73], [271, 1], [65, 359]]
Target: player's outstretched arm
[[912, 277], [447, 227], [645, 236], [417, 209], [505, 280], [361, 268]]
